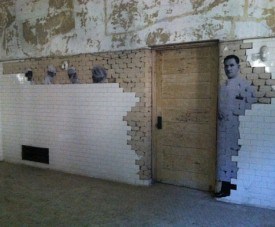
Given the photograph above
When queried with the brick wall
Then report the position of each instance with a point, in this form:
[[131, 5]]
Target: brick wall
[[131, 69], [256, 157]]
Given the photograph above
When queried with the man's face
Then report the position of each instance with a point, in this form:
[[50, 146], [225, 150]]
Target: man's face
[[231, 68]]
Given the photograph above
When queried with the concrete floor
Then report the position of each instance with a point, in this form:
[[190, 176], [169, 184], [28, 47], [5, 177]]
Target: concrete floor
[[38, 197]]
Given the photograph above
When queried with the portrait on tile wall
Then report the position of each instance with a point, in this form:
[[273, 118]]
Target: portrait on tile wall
[[236, 95]]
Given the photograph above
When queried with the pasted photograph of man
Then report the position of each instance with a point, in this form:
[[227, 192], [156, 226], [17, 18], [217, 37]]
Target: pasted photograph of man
[[50, 74], [236, 95], [99, 74], [72, 74]]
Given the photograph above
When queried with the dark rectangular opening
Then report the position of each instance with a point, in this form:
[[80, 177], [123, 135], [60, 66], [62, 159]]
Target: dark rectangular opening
[[35, 154]]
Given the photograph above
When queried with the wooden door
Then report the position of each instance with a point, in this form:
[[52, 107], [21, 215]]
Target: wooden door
[[185, 104]]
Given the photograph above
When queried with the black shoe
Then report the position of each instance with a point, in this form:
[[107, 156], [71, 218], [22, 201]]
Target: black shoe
[[225, 190], [221, 194]]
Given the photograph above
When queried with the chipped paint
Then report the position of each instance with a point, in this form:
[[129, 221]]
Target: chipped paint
[[124, 14], [157, 37], [118, 41], [6, 20], [269, 15], [49, 27], [59, 20]]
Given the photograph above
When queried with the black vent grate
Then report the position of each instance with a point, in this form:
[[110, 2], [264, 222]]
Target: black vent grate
[[35, 154]]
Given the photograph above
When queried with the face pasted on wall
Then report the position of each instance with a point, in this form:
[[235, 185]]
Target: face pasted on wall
[[51, 73], [72, 74]]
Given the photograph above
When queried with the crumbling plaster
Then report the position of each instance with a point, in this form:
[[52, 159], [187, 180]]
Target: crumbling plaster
[[36, 28]]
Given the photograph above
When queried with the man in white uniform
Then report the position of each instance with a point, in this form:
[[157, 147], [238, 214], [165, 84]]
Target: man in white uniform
[[235, 96]]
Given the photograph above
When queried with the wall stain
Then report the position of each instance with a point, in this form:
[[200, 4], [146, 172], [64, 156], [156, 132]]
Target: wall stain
[[201, 8], [149, 19], [94, 43], [125, 14], [270, 18], [60, 20], [32, 4], [83, 15], [207, 30], [197, 4], [135, 39], [157, 37], [118, 40], [6, 20], [198, 10], [83, 2], [59, 4], [67, 39]]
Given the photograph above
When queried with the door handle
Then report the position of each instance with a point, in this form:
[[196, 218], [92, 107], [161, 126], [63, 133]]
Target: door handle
[[159, 122]]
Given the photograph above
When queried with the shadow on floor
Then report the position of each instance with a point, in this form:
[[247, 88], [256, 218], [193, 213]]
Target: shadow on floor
[[38, 197]]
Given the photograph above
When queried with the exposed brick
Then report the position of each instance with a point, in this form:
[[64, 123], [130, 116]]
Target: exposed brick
[[246, 45], [270, 94], [252, 76], [258, 82], [265, 88], [246, 70], [264, 75], [259, 94], [270, 82], [264, 100], [240, 52], [140, 162], [259, 70]]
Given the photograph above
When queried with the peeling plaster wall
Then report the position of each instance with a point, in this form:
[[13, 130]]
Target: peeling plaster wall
[[36, 28]]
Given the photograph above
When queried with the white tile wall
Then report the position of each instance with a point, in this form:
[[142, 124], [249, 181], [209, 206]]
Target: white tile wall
[[81, 124], [256, 159]]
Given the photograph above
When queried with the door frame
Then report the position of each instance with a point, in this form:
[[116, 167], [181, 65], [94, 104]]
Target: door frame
[[156, 50]]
